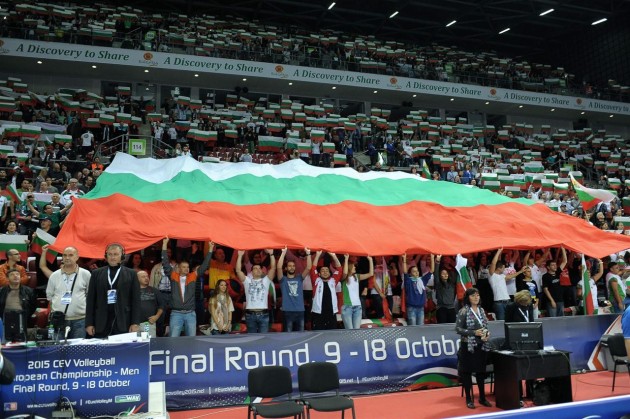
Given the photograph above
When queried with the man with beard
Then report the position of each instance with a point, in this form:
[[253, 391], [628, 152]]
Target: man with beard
[[324, 296], [256, 293], [293, 292]]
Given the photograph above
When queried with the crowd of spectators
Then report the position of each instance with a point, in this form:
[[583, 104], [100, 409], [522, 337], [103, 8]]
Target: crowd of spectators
[[127, 27], [71, 170], [513, 160]]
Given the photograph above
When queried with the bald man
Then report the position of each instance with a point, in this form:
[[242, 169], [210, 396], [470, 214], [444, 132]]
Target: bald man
[[67, 292]]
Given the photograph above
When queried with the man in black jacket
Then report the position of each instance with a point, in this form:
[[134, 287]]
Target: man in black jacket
[[19, 298], [113, 299]]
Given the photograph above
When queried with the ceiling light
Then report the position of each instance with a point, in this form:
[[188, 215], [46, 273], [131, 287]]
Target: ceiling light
[[451, 23], [582, 113], [553, 109], [290, 83], [393, 14], [39, 62], [93, 66], [520, 106], [334, 87], [597, 22], [487, 103], [376, 91], [244, 79], [147, 89], [546, 12], [146, 71], [504, 31], [331, 5], [414, 95], [612, 116], [196, 75], [452, 99]]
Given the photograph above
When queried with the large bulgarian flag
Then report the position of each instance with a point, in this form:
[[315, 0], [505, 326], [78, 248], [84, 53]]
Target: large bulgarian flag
[[589, 296], [590, 197], [250, 206], [464, 282]]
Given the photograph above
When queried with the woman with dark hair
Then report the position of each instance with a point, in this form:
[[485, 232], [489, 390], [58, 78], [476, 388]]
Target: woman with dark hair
[[12, 229], [472, 325], [136, 262]]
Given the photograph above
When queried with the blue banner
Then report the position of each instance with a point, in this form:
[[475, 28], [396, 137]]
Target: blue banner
[[96, 379], [203, 372]]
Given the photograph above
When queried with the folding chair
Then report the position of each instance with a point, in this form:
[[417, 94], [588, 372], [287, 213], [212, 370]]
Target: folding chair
[[321, 377], [617, 348], [274, 381]]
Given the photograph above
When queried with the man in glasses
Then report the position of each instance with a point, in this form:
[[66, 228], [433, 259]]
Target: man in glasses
[[13, 259]]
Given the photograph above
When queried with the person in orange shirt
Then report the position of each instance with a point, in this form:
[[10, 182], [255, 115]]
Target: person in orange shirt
[[96, 164], [13, 259]]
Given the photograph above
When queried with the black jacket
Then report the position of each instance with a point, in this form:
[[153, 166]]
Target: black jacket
[[27, 297], [514, 315], [127, 307]]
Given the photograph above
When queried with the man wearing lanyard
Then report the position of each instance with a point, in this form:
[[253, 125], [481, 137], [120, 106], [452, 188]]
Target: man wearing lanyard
[[113, 299], [67, 291], [521, 310]]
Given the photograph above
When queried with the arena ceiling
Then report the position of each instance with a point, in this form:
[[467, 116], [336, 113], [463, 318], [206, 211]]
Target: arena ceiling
[[477, 27]]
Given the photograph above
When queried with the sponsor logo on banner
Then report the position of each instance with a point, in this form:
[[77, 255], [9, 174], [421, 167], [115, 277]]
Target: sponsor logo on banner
[[148, 60], [393, 83], [580, 103], [279, 71], [128, 398], [493, 94]]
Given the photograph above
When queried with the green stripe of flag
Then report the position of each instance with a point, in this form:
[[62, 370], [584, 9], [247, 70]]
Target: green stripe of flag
[[17, 242]]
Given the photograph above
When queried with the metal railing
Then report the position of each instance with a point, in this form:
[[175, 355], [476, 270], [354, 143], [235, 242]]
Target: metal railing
[[154, 147]]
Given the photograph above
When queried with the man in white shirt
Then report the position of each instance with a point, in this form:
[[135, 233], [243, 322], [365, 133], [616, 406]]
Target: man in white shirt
[[5, 204], [256, 293], [246, 157], [158, 131], [537, 267], [72, 191], [67, 291], [87, 141], [498, 282]]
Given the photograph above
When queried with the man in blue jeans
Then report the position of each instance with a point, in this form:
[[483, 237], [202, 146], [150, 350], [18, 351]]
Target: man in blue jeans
[[552, 288], [293, 292], [256, 293], [498, 282], [183, 292]]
